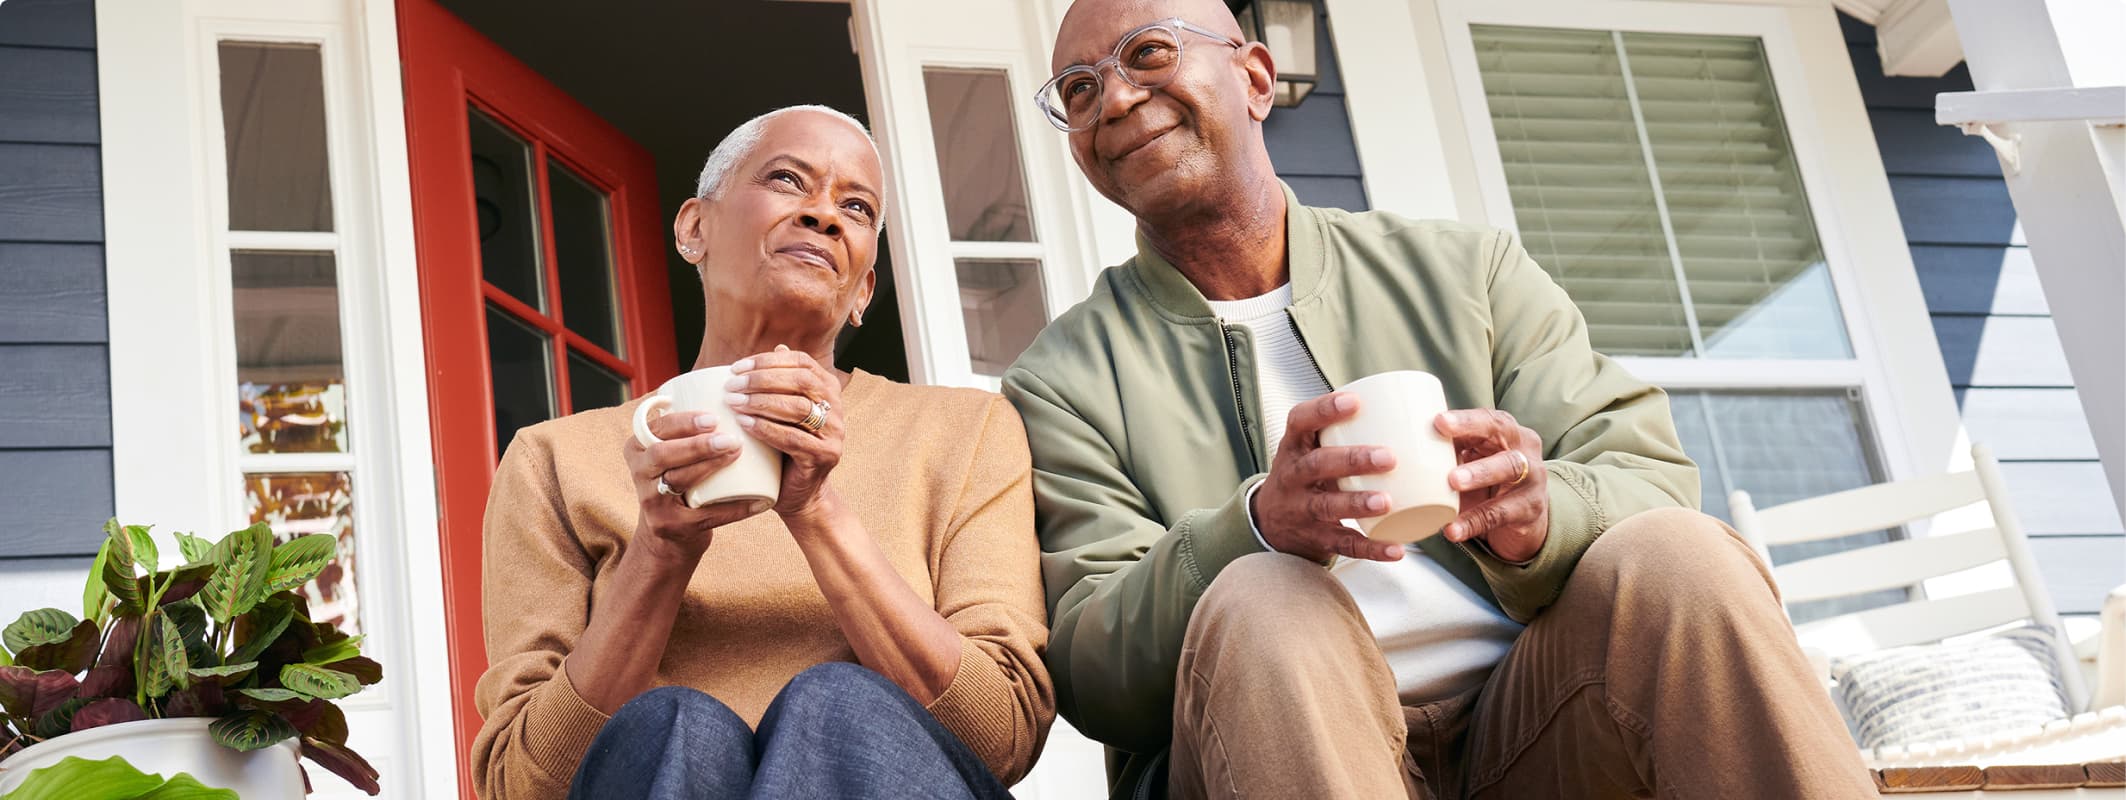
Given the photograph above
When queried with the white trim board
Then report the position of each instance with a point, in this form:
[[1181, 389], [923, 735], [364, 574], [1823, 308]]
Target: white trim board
[[1906, 387]]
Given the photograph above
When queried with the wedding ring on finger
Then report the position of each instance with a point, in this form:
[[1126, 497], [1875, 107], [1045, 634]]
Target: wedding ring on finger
[[817, 420], [1522, 460], [665, 488]]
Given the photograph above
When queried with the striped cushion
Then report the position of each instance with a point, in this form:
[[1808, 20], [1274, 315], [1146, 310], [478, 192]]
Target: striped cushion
[[1935, 692]]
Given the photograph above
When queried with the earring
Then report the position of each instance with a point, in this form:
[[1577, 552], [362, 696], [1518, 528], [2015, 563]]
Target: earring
[[856, 320], [688, 252]]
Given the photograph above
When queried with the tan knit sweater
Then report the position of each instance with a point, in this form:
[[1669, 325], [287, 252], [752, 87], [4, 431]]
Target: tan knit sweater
[[939, 477]]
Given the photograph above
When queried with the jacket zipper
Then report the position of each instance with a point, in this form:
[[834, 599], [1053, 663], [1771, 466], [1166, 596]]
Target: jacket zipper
[[1232, 369], [1311, 361]]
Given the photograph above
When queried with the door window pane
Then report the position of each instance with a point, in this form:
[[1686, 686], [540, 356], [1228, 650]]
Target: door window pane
[[273, 127], [289, 366], [582, 245], [521, 366], [1004, 308], [1782, 447], [978, 155], [592, 386], [1651, 174], [303, 503], [503, 199]]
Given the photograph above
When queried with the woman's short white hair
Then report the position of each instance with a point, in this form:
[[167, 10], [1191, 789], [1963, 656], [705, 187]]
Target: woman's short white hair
[[740, 143]]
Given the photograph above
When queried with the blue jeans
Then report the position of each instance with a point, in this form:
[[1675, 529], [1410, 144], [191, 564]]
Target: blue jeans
[[837, 730]]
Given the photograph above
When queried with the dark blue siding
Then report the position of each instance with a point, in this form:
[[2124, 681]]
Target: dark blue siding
[[55, 394], [1311, 144], [1995, 331]]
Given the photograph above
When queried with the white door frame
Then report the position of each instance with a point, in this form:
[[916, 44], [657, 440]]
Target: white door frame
[[895, 41], [171, 342]]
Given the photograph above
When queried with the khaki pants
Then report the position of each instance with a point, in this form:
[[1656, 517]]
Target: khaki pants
[[1666, 668]]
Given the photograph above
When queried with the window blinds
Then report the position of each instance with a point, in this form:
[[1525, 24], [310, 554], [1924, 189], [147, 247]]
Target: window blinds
[[1652, 176]]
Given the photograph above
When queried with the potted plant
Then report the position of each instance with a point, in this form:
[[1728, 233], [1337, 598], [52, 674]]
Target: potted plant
[[212, 668]]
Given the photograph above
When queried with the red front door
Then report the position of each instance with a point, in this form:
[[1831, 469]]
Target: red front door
[[543, 283]]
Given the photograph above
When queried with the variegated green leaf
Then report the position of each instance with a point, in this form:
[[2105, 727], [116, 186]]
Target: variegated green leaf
[[242, 560], [166, 666], [258, 630], [251, 730], [329, 652], [143, 548], [193, 548], [42, 626], [95, 598], [297, 561], [5, 659], [233, 672], [319, 682], [272, 695]]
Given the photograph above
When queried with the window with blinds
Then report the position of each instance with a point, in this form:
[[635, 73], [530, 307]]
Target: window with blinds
[[1652, 176]]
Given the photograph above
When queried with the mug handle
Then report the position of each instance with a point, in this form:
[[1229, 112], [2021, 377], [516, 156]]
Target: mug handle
[[659, 403]]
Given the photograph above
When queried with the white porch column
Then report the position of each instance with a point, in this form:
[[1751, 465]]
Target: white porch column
[[2051, 95]]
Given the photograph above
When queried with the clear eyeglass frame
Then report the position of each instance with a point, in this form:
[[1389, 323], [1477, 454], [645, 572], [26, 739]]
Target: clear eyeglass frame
[[1049, 98]]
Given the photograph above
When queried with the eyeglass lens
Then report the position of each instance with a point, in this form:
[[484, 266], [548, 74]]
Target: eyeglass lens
[[1146, 60]]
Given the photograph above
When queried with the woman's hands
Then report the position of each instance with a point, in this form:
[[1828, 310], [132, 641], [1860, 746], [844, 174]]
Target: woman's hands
[[692, 450], [774, 395]]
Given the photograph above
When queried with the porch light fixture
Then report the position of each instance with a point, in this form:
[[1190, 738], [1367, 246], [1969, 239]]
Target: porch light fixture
[[1289, 28]]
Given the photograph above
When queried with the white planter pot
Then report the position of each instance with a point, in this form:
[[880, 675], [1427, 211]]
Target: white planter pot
[[167, 747]]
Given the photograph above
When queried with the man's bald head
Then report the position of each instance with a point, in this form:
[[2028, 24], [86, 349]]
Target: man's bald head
[[1091, 28], [1190, 148]]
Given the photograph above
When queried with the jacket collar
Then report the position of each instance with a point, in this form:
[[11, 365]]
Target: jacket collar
[[1305, 257]]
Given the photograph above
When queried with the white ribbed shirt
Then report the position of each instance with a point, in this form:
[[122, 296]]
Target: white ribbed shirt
[[1440, 637]]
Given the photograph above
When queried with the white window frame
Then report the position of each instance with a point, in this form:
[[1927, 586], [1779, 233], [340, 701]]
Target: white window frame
[[172, 346], [999, 37], [1896, 365]]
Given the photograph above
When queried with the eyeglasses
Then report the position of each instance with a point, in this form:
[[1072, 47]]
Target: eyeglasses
[[1146, 58]]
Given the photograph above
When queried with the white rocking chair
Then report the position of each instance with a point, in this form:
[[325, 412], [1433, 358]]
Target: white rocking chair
[[2096, 730]]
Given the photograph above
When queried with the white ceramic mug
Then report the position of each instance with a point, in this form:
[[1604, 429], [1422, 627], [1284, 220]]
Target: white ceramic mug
[[1398, 410], [756, 475]]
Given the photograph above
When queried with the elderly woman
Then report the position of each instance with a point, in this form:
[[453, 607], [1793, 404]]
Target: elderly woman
[[878, 635]]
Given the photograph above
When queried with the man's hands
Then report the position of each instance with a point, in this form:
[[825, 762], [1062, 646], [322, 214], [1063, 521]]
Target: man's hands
[[1505, 500], [1505, 490], [1299, 508]]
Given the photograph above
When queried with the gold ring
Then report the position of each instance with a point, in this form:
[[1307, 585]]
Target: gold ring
[[817, 420], [1523, 460]]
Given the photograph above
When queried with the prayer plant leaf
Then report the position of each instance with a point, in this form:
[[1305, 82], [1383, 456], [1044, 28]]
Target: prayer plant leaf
[[273, 695], [95, 597], [342, 762], [260, 628], [319, 682], [26, 693], [339, 649], [229, 673], [167, 667], [251, 730], [107, 711], [242, 559], [73, 655], [143, 548], [299, 560], [193, 548], [42, 626]]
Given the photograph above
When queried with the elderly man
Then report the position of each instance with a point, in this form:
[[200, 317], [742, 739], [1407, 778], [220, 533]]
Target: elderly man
[[1188, 509]]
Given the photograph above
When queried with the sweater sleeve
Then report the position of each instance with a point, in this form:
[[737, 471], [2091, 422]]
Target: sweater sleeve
[[1609, 441], [1000, 703], [535, 602]]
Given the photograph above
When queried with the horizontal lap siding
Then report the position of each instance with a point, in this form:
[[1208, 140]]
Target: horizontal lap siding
[[1995, 331], [55, 396], [1311, 144]]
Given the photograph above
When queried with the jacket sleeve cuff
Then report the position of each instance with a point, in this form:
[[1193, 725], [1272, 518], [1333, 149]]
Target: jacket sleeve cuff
[[1524, 590], [559, 726], [1216, 537]]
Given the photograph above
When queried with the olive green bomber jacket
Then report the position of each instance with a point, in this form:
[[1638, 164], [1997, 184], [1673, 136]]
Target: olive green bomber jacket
[[1141, 411]]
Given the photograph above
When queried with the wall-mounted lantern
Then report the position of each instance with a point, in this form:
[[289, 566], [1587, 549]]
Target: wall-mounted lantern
[[1288, 27]]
